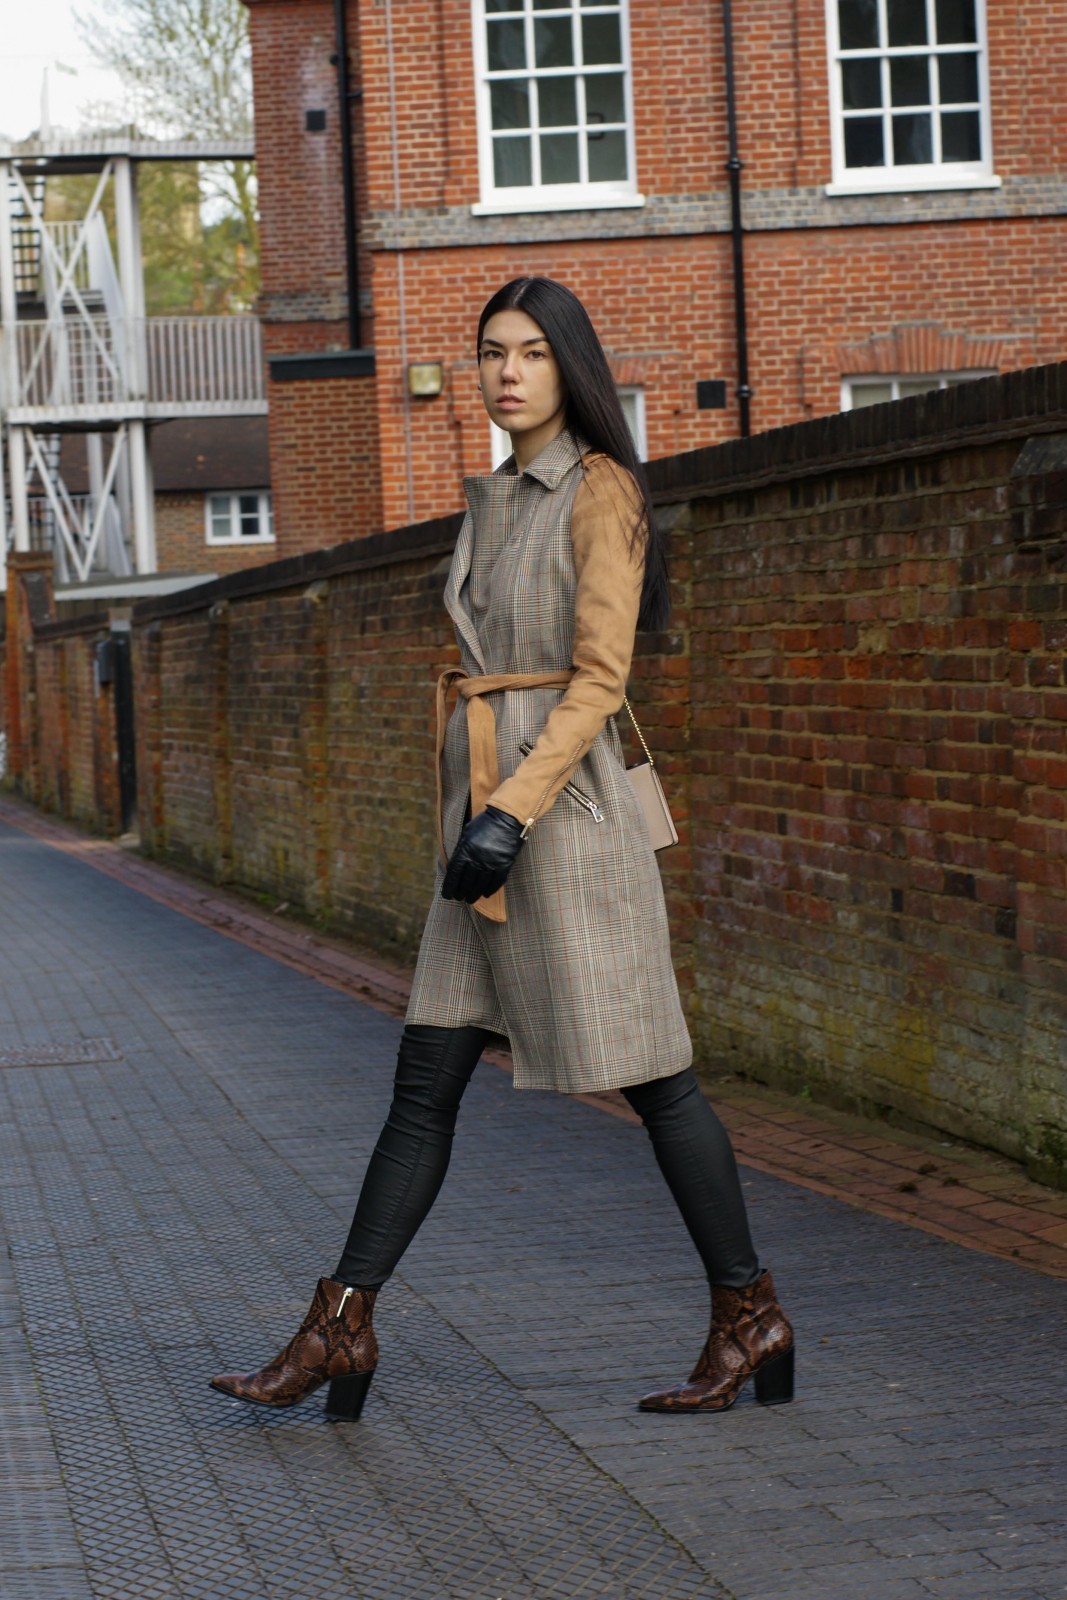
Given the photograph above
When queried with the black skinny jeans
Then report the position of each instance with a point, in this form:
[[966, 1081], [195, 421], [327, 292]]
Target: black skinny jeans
[[411, 1158]]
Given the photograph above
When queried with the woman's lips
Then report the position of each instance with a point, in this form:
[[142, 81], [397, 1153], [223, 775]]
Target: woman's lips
[[509, 402]]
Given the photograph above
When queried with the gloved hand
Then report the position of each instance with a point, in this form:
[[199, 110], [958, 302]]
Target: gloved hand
[[483, 857]]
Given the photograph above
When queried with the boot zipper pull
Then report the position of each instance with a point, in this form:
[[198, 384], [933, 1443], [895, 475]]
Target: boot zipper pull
[[344, 1301]]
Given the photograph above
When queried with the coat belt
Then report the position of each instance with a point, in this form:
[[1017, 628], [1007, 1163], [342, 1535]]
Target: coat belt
[[481, 739]]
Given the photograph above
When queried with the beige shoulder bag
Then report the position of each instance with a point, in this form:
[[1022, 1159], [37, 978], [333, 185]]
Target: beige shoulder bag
[[644, 780]]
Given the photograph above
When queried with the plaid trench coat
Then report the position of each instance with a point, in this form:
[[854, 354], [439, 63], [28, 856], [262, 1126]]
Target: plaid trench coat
[[579, 976]]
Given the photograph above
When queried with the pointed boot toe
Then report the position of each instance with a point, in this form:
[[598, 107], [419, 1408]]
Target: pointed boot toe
[[750, 1337], [334, 1344]]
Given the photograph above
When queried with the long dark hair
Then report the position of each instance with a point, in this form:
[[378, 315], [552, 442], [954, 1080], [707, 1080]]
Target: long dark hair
[[593, 412]]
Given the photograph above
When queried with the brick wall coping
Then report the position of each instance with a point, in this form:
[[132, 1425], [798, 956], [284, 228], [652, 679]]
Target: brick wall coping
[[424, 539], [1015, 405], [71, 627]]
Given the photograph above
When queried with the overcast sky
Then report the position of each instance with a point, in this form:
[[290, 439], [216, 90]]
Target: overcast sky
[[39, 34]]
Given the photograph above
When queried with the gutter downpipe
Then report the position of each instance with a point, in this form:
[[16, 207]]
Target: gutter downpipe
[[734, 167], [346, 96]]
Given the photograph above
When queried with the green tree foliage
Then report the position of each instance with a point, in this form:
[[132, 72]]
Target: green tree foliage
[[186, 68]]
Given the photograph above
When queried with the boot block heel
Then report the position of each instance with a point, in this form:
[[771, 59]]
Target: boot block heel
[[774, 1382], [344, 1400]]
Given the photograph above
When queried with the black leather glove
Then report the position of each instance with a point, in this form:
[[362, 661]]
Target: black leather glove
[[483, 857]]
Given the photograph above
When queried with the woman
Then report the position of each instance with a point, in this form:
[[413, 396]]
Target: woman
[[558, 563]]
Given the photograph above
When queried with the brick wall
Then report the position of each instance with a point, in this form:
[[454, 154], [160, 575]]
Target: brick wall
[[943, 280], [325, 464], [182, 545], [859, 710], [61, 749], [285, 732]]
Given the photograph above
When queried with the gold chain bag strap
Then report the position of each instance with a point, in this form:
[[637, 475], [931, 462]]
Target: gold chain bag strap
[[644, 780]]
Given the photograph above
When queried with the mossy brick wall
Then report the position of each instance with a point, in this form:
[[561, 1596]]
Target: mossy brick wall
[[878, 759], [286, 729], [859, 711], [75, 767], [61, 749]]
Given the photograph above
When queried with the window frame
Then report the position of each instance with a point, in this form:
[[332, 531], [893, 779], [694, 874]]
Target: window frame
[[639, 427], [930, 176], [500, 446], [494, 201], [936, 380], [264, 512]]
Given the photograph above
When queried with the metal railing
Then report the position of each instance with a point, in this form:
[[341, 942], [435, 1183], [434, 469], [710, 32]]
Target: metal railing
[[188, 363], [192, 360], [77, 362]]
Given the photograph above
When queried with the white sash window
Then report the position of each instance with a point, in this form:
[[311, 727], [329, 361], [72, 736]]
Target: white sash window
[[555, 117], [909, 93]]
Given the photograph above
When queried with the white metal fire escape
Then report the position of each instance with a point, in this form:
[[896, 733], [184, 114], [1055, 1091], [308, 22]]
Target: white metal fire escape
[[79, 357]]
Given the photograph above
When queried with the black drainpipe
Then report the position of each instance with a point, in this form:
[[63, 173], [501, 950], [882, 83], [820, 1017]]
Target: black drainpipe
[[346, 96], [734, 167]]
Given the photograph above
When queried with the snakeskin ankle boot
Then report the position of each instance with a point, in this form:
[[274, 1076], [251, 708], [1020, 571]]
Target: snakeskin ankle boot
[[335, 1343], [750, 1337]]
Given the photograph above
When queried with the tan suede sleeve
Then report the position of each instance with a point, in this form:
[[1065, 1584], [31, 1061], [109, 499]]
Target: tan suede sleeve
[[606, 604]]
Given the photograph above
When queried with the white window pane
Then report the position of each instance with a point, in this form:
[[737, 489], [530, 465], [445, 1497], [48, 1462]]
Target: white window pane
[[961, 136], [248, 515], [913, 144], [500, 445], [906, 22], [864, 142], [957, 22], [607, 157], [958, 77], [507, 45], [858, 24], [510, 103], [870, 394], [220, 516], [559, 158], [633, 409], [909, 81], [601, 40], [512, 163], [605, 97], [861, 83], [557, 102], [553, 42]]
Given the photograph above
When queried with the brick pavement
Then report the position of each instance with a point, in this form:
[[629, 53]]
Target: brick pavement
[[179, 1165]]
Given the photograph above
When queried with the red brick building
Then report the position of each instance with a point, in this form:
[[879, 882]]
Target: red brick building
[[903, 193]]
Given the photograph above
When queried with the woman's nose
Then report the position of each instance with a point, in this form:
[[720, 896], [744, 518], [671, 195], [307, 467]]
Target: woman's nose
[[510, 371]]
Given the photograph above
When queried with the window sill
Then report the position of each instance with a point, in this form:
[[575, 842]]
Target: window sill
[[239, 544], [931, 185], [585, 201]]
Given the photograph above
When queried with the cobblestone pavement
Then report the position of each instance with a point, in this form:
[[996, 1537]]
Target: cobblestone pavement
[[184, 1123]]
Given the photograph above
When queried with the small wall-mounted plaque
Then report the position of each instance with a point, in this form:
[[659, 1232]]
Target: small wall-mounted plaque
[[315, 121]]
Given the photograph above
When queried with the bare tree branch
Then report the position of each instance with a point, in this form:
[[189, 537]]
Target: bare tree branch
[[186, 68]]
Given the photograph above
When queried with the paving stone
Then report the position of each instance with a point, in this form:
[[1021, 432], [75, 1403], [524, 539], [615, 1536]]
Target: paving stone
[[168, 1202]]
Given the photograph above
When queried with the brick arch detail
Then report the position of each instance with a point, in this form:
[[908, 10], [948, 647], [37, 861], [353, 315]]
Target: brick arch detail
[[922, 347]]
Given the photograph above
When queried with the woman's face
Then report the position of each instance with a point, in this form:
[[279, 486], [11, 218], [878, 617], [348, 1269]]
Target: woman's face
[[521, 383]]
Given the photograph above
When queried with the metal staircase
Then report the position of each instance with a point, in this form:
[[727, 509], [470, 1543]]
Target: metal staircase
[[82, 368]]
